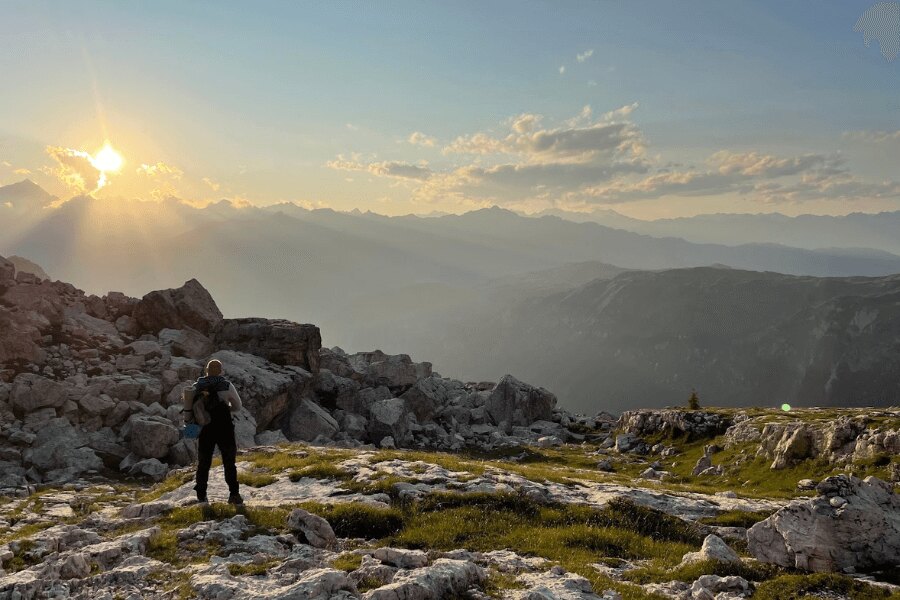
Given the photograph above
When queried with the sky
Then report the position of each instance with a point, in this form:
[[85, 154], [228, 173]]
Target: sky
[[652, 109]]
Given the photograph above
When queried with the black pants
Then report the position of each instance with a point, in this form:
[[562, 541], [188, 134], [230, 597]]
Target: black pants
[[212, 435]]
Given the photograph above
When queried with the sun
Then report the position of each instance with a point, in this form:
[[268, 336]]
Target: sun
[[107, 160]]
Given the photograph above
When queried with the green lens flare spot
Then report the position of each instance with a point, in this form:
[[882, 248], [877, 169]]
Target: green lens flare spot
[[786, 407]]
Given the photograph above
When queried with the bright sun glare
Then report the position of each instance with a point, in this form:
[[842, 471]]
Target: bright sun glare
[[107, 160]]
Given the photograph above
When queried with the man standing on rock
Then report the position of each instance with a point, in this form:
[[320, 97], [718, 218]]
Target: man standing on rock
[[223, 400]]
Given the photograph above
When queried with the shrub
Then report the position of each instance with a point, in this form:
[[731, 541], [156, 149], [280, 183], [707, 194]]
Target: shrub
[[694, 401]]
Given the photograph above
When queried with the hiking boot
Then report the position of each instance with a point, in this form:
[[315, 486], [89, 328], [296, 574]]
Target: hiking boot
[[201, 499], [235, 499]]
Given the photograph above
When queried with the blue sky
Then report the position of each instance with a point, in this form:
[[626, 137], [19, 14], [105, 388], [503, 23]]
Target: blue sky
[[735, 106]]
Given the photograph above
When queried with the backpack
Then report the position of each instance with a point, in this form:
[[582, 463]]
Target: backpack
[[201, 401]]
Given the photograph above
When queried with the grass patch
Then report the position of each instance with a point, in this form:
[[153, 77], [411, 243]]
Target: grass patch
[[497, 583], [819, 585], [170, 483], [751, 571], [256, 480], [166, 547], [175, 584], [320, 470], [25, 531], [356, 520], [348, 561], [295, 459], [572, 536], [251, 569], [737, 518]]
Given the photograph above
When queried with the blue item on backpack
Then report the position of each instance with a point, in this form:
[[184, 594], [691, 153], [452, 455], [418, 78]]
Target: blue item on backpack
[[191, 431]]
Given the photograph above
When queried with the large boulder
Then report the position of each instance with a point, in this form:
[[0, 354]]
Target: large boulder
[[278, 341], [427, 395], [308, 421], [60, 449], [852, 524], [517, 403], [396, 371], [151, 436], [714, 548], [388, 418], [186, 342], [315, 529], [188, 306], [31, 392]]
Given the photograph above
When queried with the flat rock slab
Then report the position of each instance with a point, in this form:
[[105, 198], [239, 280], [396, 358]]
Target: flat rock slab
[[283, 491]]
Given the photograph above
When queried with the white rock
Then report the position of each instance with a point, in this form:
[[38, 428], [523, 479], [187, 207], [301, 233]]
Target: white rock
[[445, 578], [405, 559], [813, 535], [317, 531], [714, 548]]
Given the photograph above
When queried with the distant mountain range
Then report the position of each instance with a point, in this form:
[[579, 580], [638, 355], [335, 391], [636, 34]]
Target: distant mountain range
[[486, 292], [869, 231]]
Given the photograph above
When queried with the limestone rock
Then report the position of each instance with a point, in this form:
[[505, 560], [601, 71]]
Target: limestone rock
[[556, 584], [309, 421], [388, 419], [278, 341], [188, 306], [811, 534], [151, 468], [31, 392], [673, 422], [446, 578], [428, 394], [516, 403], [714, 548], [713, 587], [404, 559], [315, 529], [395, 371], [152, 437], [186, 342]]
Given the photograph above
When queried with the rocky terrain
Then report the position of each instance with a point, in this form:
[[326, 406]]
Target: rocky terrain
[[369, 475]]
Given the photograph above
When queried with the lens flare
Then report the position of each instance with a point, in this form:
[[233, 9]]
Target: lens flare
[[786, 407]]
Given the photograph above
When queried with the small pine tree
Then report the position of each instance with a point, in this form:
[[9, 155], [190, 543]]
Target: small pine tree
[[694, 401]]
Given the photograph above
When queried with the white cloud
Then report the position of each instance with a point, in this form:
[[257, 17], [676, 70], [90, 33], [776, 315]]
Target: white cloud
[[562, 69], [22, 171], [6, 163], [395, 169], [623, 112], [584, 55], [212, 184], [417, 138], [589, 159], [160, 169], [873, 137], [75, 170]]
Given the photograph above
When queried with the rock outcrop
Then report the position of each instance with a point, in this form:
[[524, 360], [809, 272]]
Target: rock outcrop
[[840, 440], [106, 375], [673, 423], [276, 340], [187, 306], [852, 525]]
